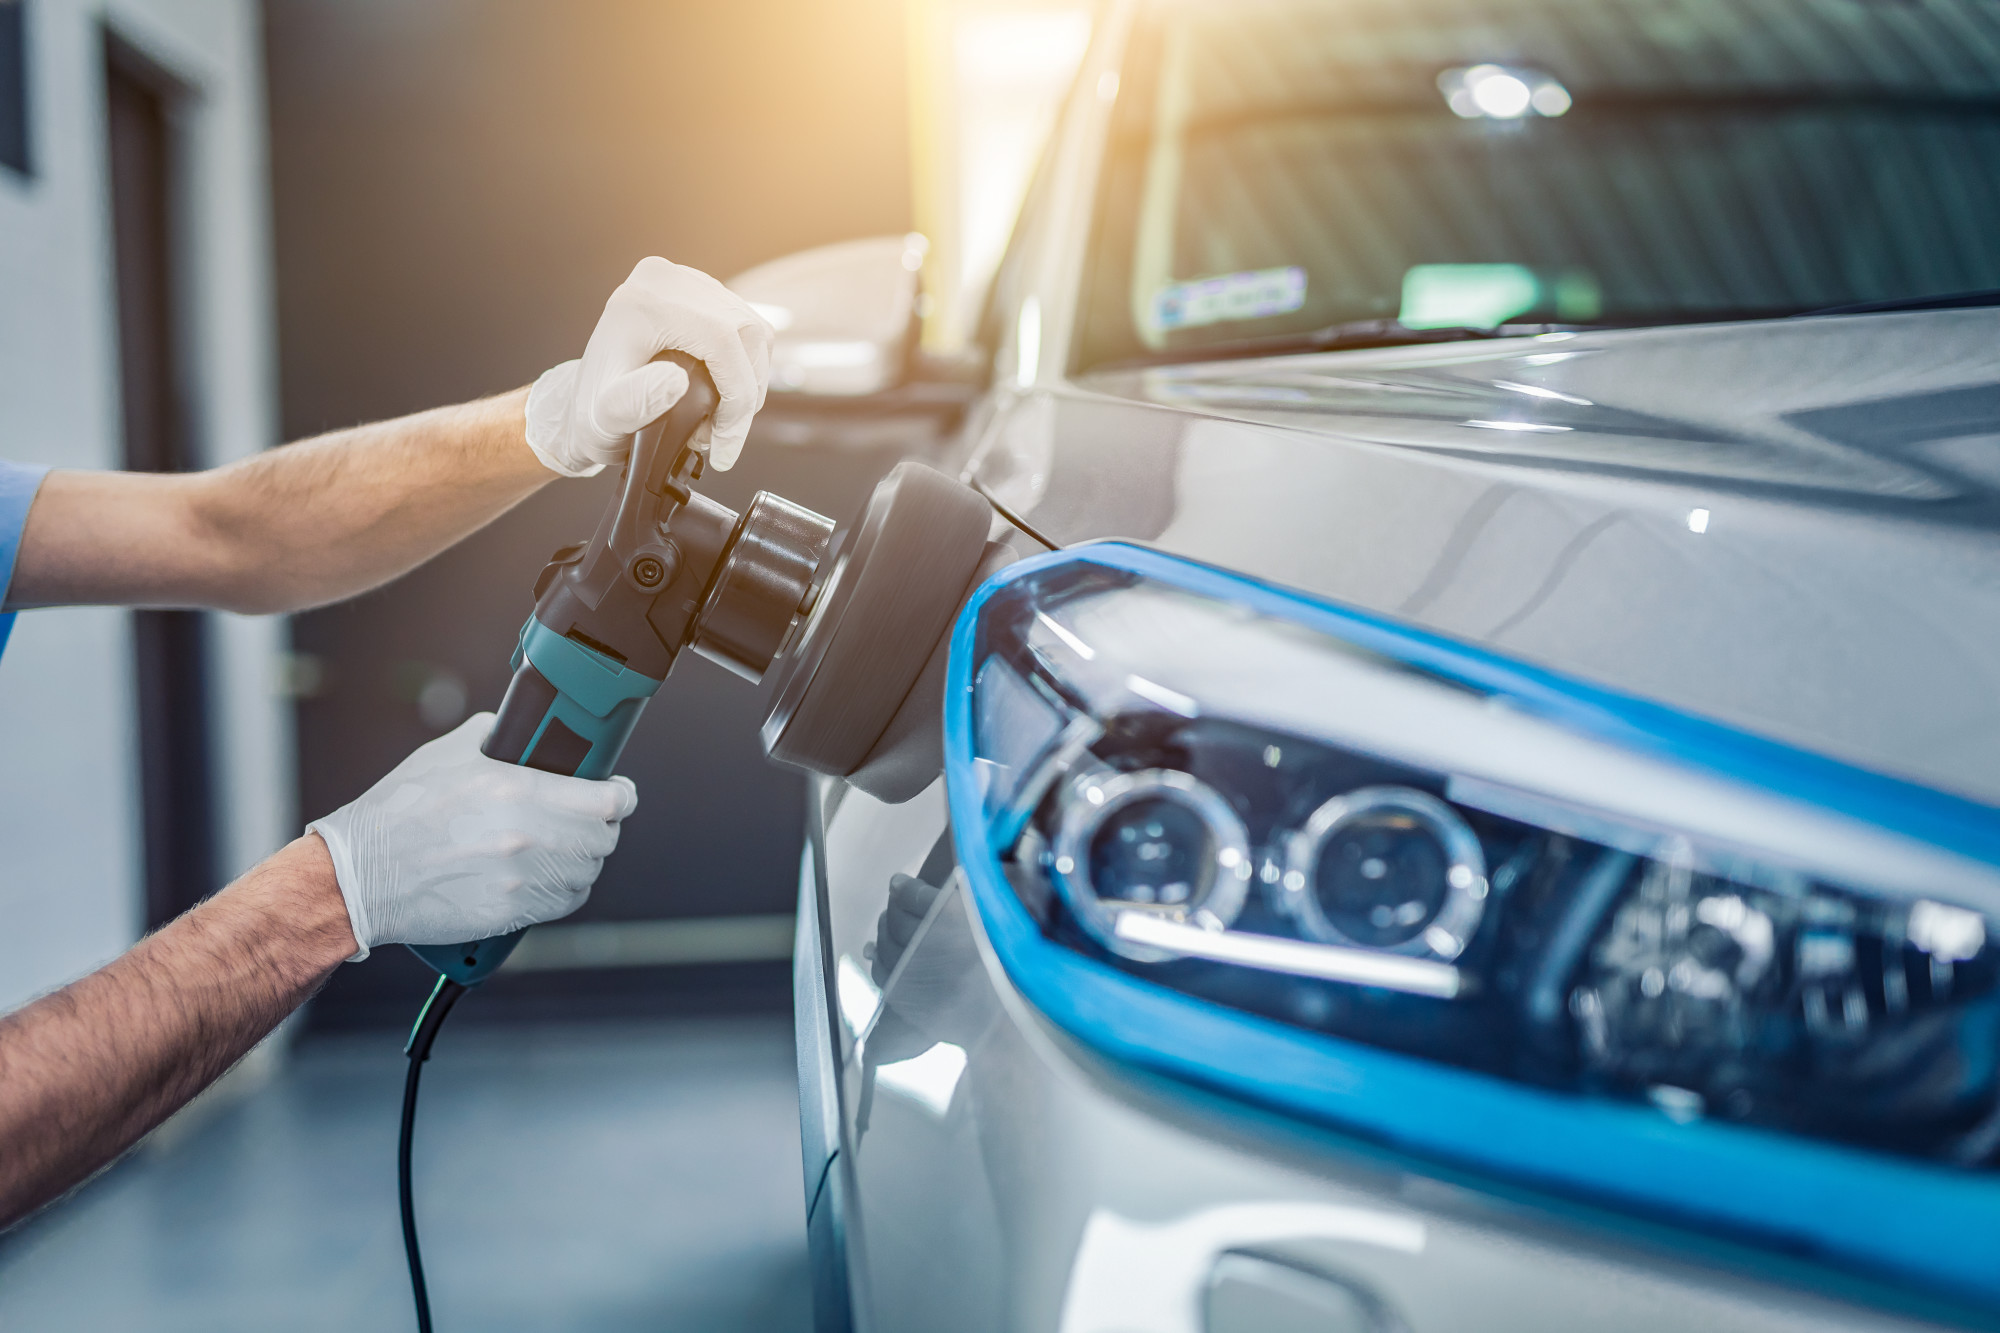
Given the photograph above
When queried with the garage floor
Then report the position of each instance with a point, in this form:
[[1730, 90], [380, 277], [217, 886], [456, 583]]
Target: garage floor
[[590, 1178]]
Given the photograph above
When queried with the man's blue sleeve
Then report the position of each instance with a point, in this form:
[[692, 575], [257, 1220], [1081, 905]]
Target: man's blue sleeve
[[18, 484]]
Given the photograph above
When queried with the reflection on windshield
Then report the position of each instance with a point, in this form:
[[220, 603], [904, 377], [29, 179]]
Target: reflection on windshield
[[1283, 166]]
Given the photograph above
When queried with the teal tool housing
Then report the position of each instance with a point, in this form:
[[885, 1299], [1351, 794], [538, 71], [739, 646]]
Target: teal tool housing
[[597, 702]]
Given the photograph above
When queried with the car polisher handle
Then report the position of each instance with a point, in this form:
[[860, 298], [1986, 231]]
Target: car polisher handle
[[657, 449], [569, 708], [663, 462]]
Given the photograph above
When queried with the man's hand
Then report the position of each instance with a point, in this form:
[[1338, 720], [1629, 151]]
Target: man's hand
[[581, 414], [454, 846]]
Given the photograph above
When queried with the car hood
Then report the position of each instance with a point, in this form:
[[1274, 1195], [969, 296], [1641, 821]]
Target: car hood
[[1786, 525], [1903, 407]]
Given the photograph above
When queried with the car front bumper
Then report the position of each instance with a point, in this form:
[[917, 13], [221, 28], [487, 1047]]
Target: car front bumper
[[969, 1166]]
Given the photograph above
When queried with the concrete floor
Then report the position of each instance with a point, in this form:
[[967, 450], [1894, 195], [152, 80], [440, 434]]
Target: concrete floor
[[588, 1178]]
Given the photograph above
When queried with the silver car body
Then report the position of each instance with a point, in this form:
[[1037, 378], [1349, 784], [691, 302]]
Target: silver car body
[[1799, 541]]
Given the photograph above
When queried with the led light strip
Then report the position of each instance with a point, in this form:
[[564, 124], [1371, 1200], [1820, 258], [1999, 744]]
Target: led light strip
[[1270, 953]]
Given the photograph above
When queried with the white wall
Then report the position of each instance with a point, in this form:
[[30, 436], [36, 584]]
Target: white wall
[[70, 871]]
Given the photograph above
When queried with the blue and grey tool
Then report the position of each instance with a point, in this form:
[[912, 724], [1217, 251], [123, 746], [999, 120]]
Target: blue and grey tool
[[863, 661], [667, 569]]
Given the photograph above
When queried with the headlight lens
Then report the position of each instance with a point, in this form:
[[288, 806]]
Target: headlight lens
[[1156, 842], [1307, 817], [1387, 868]]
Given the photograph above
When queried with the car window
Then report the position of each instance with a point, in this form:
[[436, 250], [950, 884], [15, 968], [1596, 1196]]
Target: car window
[[1281, 166]]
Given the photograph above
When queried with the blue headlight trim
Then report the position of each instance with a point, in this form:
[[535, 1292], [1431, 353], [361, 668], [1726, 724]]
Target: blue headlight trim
[[1896, 1217]]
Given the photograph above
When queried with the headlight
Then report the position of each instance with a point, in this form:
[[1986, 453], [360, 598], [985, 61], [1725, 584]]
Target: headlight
[[1401, 885], [1155, 844], [1389, 868]]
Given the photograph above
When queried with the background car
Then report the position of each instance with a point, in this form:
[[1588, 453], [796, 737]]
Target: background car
[[1486, 818]]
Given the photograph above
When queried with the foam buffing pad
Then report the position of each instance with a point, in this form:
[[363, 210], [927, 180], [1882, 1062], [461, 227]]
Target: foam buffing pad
[[881, 615]]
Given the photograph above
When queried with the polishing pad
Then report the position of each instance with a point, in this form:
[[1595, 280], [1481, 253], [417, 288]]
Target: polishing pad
[[890, 600]]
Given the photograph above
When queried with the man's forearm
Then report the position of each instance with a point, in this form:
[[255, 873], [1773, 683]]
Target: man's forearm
[[86, 1071], [299, 526]]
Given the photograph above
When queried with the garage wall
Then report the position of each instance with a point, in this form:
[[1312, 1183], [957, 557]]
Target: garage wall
[[70, 870], [459, 184]]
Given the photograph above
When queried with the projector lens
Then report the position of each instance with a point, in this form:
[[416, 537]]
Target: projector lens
[[1157, 841], [1389, 868]]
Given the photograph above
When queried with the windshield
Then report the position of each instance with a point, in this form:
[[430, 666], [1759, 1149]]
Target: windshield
[[1375, 169]]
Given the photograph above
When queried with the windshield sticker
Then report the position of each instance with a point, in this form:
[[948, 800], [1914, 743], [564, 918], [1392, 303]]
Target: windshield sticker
[[1231, 296], [1485, 296]]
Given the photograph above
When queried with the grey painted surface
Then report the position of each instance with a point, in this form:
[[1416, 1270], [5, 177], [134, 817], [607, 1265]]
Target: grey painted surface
[[607, 1177], [1844, 594]]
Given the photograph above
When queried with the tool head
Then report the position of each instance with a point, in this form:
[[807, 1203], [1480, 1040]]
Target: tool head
[[860, 691], [762, 584]]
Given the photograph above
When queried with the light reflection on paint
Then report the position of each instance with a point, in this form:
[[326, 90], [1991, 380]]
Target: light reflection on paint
[[1131, 1274], [1542, 391], [857, 996], [929, 1079], [1527, 427]]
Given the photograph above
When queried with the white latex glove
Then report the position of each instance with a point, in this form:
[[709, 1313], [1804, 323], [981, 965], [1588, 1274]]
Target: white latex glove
[[455, 846], [581, 414]]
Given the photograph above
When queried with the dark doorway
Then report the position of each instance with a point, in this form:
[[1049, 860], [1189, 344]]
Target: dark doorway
[[14, 86], [171, 658]]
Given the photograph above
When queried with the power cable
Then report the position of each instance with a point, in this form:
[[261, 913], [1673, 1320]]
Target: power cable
[[1013, 517], [443, 996]]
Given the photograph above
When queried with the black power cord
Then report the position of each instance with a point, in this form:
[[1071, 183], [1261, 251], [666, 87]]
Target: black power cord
[[1012, 517], [443, 996]]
